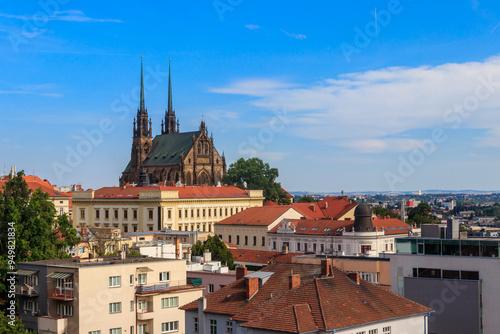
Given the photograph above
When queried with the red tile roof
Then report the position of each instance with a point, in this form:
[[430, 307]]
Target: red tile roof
[[318, 303], [309, 210], [34, 183], [184, 191], [248, 256], [335, 227], [260, 216], [336, 207]]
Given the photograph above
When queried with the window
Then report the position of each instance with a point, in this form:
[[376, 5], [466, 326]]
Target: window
[[115, 307], [115, 331], [255, 241], [116, 213], [97, 213], [195, 323], [125, 228], [135, 214], [363, 332], [246, 240], [172, 326], [274, 244], [150, 214], [95, 332], [210, 212], [169, 302], [114, 281], [61, 211], [81, 250], [373, 331], [386, 330], [231, 211], [263, 241], [298, 246], [204, 213], [165, 276], [192, 213], [229, 326], [180, 213], [106, 214], [226, 211], [131, 280], [211, 288], [82, 213], [142, 329], [169, 214], [213, 326], [305, 247], [322, 248], [125, 214], [142, 305], [220, 212], [142, 279], [237, 239], [229, 238], [185, 213], [64, 310], [132, 329], [198, 213], [314, 247], [131, 306]]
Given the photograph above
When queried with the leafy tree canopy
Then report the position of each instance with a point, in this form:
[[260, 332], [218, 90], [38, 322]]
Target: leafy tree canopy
[[380, 211], [217, 247], [421, 215], [307, 199], [6, 325], [257, 175], [30, 220]]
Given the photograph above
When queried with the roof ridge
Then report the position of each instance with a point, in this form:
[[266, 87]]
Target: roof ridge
[[319, 303]]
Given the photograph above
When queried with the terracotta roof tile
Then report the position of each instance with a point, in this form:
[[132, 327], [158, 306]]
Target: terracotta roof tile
[[336, 207], [34, 183], [318, 303], [258, 256], [184, 192], [262, 216]]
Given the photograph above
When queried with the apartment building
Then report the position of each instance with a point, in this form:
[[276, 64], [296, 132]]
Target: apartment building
[[114, 295], [183, 208]]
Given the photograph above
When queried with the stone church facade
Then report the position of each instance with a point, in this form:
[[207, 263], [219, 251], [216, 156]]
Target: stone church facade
[[173, 156]]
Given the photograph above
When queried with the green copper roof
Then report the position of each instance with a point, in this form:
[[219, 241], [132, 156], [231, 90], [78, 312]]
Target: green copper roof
[[167, 149]]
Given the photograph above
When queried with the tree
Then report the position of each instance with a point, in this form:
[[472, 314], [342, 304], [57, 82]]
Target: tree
[[217, 247], [29, 220], [307, 199], [421, 215], [7, 325], [254, 174], [100, 240], [383, 212]]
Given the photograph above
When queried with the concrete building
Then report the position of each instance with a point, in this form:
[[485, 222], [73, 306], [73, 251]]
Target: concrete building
[[248, 229], [458, 278], [209, 274], [303, 298], [183, 208], [104, 295], [364, 235]]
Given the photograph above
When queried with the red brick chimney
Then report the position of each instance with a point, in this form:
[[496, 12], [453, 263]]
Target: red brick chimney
[[252, 285], [354, 277], [293, 281], [84, 232], [241, 271], [325, 268]]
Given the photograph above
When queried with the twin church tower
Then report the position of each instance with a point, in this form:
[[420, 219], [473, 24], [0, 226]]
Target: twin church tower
[[172, 156]]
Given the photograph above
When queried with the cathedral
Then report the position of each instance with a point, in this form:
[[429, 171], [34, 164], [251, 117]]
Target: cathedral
[[186, 157]]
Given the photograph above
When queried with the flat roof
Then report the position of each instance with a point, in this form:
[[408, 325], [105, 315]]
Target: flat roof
[[101, 261]]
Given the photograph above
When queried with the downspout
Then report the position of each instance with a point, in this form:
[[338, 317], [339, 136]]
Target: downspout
[[426, 321]]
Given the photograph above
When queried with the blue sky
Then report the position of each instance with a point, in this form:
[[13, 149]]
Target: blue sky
[[376, 95]]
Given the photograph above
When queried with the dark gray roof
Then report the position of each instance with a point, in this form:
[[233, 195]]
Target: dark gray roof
[[167, 149]]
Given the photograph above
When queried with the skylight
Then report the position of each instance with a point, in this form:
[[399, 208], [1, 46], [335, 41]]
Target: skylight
[[327, 229], [401, 228], [314, 229], [303, 228], [392, 228]]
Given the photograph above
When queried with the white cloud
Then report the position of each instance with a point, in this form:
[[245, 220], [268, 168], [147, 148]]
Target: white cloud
[[63, 15], [292, 35], [252, 26], [376, 110]]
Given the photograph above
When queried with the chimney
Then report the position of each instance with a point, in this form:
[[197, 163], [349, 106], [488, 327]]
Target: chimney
[[284, 249], [202, 303], [177, 248], [207, 256], [311, 206], [252, 285], [84, 232], [293, 281], [326, 205], [241, 271], [325, 268], [354, 277]]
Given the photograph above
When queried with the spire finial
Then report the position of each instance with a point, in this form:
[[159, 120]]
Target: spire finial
[[169, 89], [142, 105]]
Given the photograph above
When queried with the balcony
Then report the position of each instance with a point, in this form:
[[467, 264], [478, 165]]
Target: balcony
[[60, 294], [160, 287], [27, 290], [53, 324]]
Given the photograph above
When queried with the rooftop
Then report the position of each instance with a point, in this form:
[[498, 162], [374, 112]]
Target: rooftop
[[261, 216], [101, 261], [317, 303]]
